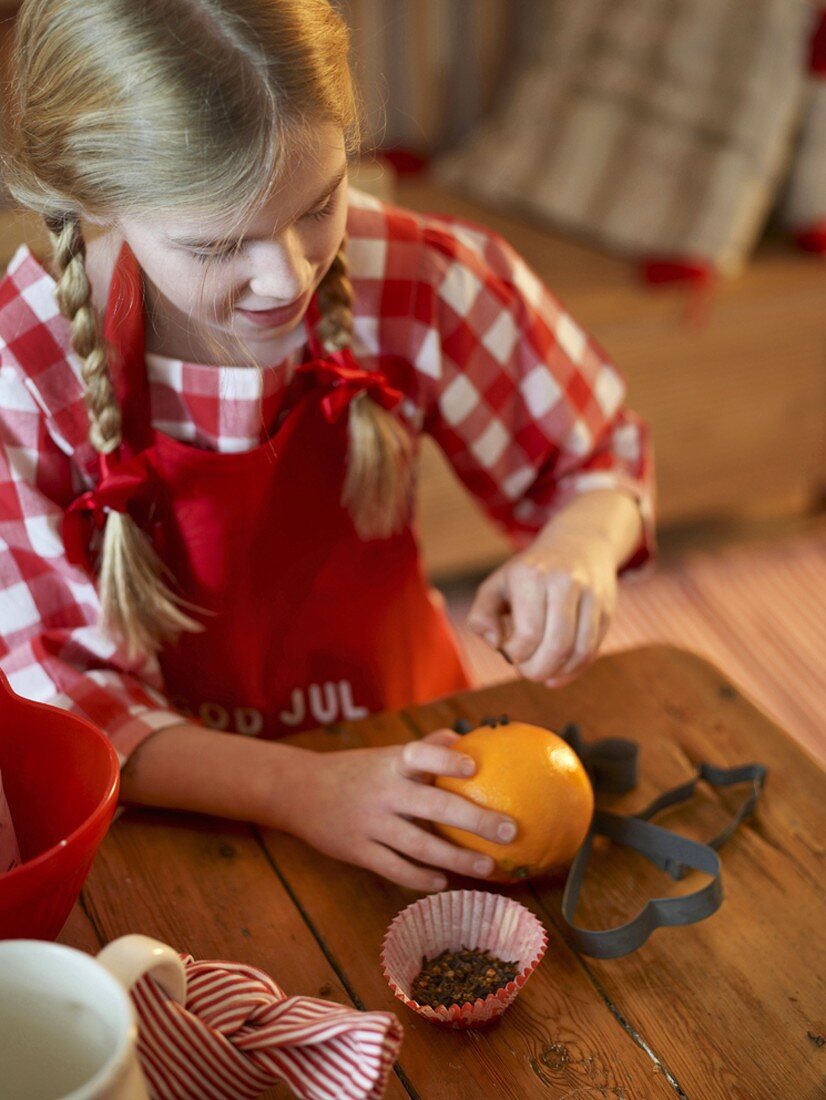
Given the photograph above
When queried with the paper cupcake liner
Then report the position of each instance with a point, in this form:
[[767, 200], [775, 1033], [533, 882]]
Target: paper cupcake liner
[[453, 920]]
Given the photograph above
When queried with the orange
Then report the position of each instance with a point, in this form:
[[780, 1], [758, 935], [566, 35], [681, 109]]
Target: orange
[[534, 777]]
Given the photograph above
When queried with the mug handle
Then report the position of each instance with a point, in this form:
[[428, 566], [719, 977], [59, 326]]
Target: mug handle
[[130, 957]]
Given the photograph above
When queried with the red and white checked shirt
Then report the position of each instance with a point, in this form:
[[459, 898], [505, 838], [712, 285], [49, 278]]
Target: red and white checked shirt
[[523, 402]]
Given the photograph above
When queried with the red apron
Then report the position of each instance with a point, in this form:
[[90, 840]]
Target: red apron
[[306, 623]]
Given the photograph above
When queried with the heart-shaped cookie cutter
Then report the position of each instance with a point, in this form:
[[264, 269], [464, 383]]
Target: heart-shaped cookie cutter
[[612, 764]]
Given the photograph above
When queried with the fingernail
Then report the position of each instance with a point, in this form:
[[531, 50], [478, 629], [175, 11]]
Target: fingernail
[[506, 831], [483, 866], [439, 883], [467, 766]]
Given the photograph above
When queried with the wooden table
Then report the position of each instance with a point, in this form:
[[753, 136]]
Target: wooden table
[[730, 1008]]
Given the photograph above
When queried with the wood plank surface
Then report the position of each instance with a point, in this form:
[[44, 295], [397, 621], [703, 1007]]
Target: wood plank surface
[[206, 887], [735, 1004], [79, 932], [350, 910], [730, 1008]]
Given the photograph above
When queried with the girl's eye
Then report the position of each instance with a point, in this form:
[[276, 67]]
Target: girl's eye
[[223, 254], [220, 255], [326, 210]]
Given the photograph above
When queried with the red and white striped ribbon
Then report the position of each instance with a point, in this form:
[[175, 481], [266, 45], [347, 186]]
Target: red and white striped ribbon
[[240, 1034]]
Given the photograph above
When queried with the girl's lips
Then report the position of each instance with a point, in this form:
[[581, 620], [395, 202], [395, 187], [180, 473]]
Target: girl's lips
[[274, 316]]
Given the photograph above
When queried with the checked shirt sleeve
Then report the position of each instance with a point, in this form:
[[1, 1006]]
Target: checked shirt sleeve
[[526, 406], [51, 648]]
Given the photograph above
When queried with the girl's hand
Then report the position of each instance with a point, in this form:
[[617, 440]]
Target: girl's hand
[[362, 806], [548, 608]]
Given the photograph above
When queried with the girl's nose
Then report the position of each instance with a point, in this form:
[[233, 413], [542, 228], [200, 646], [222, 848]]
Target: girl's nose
[[280, 270]]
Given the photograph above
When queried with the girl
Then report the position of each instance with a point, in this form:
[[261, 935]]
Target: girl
[[194, 552]]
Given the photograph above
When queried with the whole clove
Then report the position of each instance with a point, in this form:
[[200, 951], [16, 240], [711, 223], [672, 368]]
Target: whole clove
[[457, 977], [463, 726]]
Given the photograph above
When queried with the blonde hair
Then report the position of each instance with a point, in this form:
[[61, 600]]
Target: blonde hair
[[185, 106]]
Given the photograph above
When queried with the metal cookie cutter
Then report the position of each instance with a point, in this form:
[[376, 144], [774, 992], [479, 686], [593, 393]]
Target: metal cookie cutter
[[612, 764]]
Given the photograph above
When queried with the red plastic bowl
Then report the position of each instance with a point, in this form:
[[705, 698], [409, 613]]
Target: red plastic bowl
[[61, 777]]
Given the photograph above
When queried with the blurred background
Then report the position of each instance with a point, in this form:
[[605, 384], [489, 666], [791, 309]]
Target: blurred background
[[661, 164]]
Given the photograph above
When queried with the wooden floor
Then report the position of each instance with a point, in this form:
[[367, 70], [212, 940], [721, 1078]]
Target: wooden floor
[[756, 610]]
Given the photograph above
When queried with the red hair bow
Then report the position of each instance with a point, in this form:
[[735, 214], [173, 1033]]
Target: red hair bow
[[340, 374], [126, 486]]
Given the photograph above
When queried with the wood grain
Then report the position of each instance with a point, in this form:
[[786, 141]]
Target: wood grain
[[207, 888], [559, 1038], [79, 932], [727, 1006], [730, 1009]]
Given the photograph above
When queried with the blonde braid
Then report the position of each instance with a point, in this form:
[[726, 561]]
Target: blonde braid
[[379, 466], [138, 607]]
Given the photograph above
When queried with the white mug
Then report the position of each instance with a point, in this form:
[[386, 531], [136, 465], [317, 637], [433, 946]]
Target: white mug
[[67, 1026]]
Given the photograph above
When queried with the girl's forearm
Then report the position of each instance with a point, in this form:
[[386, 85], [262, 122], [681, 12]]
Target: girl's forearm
[[189, 767], [610, 514]]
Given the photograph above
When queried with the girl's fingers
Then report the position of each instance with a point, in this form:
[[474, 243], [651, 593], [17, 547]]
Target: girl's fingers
[[392, 866], [587, 633], [560, 634], [528, 598], [487, 609], [434, 804], [419, 759], [415, 842], [442, 737], [592, 628]]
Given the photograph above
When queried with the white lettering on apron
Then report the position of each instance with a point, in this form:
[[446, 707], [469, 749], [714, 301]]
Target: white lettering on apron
[[248, 720], [214, 715], [349, 711], [296, 715], [324, 703], [323, 714]]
